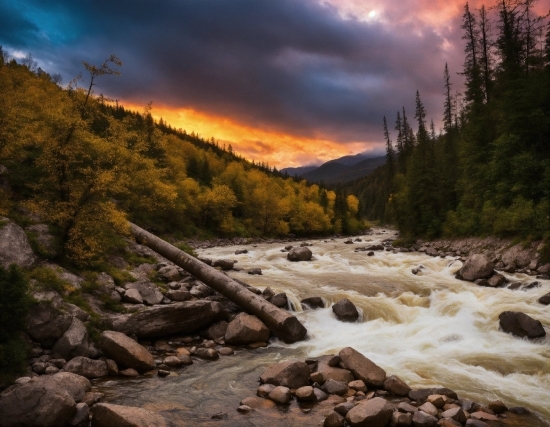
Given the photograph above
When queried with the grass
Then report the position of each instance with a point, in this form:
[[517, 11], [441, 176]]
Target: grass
[[182, 246], [48, 280]]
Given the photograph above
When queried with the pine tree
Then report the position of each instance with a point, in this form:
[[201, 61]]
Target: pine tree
[[485, 59], [448, 106], [390, 152], [474, 93]]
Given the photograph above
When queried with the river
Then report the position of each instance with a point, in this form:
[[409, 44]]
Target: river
[[429, 329]]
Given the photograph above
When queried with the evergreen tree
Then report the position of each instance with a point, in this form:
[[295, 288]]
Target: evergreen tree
[[390, 152], [474, 93]]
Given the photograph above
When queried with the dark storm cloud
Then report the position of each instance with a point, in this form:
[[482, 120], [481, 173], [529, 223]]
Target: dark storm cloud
[[290, 66]]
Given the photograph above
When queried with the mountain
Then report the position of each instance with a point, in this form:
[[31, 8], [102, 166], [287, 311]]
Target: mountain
[[334, 172], [299, 171]]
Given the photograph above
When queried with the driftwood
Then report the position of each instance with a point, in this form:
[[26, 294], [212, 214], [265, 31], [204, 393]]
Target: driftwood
[[284, 325]]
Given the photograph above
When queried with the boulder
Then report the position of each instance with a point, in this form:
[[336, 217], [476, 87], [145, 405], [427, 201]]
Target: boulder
[[126, 352], [148, 291], [241, 251], [169, 273], [179, 295], [280, 395], [86, 367], [483, 416], [428, 408], [246, 329], [224, 264], [345, 310], [265, 389], [105, 282], [422, 419], [207, 353], [344, 408], [76, 385], [305, 394], [81, 416], [46, 324], [456, 414], [74, 342], [255, 271], [400, 419], [313, 303], [108, 415], [291, 374], [497, 406], [299, 254], [279, 300], [334, 419], [545, 299], [496, 281], [397, 386], [358, 385], [375, 412], [544, 269], [162, 320], [477, 266], [335, 387], [422, 394], [216, 331], [362, 368], [15, 247], [521, 325]]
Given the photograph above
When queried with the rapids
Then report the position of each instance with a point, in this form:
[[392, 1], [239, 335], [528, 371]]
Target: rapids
[[429, 329]]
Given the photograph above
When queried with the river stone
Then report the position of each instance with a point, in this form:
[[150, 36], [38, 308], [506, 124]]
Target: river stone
[[280, 395], [216, 331], [279, 300], [544, 269], [265, 389], [497, 406], [400, 419], [545, 299], [255, 271], [448, 422], [406, 407], [305, 394], [132, 296], [148, 291], [496, 281], [428, 408], [477, 266], [173, 319], [422, 419], [246, 329], [358, 385], [207, 353], [344, 408], [126, 352], [291, 374], [456, 414], [313, 303], [87, 367], [108, 415], [397, 386], [328, 372], [521, 325], [362, 368], [224, 264], [74, 342], [172, 361], [179, 295], [475, 423], [345, 310], [299, 254], [335, 387], [15, 247], [45, 324], [370, 413], [483, 416], [422, 394], [334, 419]]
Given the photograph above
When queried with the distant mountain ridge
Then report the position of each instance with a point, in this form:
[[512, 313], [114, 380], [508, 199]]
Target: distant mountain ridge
[[343, 169]]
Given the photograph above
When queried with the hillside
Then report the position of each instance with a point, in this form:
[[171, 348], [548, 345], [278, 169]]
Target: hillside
[[335, 172]]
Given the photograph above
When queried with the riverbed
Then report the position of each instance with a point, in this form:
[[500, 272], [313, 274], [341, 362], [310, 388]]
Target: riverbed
[[429, 329]]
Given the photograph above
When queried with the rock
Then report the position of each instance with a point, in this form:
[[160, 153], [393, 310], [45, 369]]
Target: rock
[[224, 264], [15, 247], [544, 269], [172, 361], [521, 325], [81, 416], [370, 413], [291, 374], [299, 254], [327, 371], [313, 303], [268, 293], [358, 385], [305, 394], [91, 398], [255, 271], [246, 329], [207, 261], [456, 414], [207, 353], [396, 386], [477, 266], [125, 351], [345, 310], [45, 324], [438, 400], [241, 251], [428, 408], [74, 342], [148, 291], [108, 415], [400, 419], [334, 419], [422, 419], [265, 389], [320, 395], [483, 416], [362, 368], [279, 300], [76, 385], [86, 367], [129, 372], [448, 422], [105, 282], [475, 423], [169, 274], [200, 290], [422, 394], [280, 395], [216, 331], [335, 387], [51, 370], [244, 409], [112, 367], [406, 408], [496, 281], [497, 406], [344, 408], [179, 295], [177, 318], [132, 296], [545, 299]]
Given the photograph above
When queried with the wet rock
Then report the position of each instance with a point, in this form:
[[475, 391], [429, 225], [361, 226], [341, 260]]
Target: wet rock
[[129, 372], [291, 374], [74, 342], [456, 414], [241, 251], [327, 370], [483, 416], [438, 400], [320, 395], [177, 318], [216, 331], [428, 408], [545, 299], [224, 264], [313, 303], [46, 324], [179, 295], [173, 361], [81, 416], [112, 367], [544, 269], [125, 351], [132, 296], [207, 261], [15, 247], [400, 419], [279, 300], [448, 422], [475, 423], [91, 398], [334, 419], [362, 368], [207, 353], [496, 281], [358, 385], [108, 415], [335, 387], [257, 402], [299, 254], [422, 419], [305, 394], [497, 406], [86, 367], [397, 386], [521, 325], [219, 416], [255, 271], [244, 409], [265, 389], [344, 408], [422, 394], [345, 310], [372, 413], [280, 395], [406, 408], [246, 329], [477, 266]]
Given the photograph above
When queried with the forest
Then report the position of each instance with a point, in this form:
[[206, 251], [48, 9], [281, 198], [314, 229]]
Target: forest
[[86, 165], [488, 171]]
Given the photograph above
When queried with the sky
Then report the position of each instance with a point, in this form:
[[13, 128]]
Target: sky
[[287, 82]]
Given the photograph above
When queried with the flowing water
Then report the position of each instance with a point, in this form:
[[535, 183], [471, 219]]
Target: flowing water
[[429, 329]]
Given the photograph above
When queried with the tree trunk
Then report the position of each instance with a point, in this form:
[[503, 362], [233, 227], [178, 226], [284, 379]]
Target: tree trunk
[[281, 323]]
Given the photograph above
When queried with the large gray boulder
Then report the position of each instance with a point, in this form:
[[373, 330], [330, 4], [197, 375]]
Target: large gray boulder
[[46, 324], [477, 266], [291, 374], [246, 329], [74, 342], [299, 254], [148, 291], [15, 247], [362, 368], [521, 325], [177, 318], [345, 310], [108, 415], [125, 351], [87, 367], [370, 413]]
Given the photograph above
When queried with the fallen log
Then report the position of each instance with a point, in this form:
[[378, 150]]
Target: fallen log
[[284, 325]]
